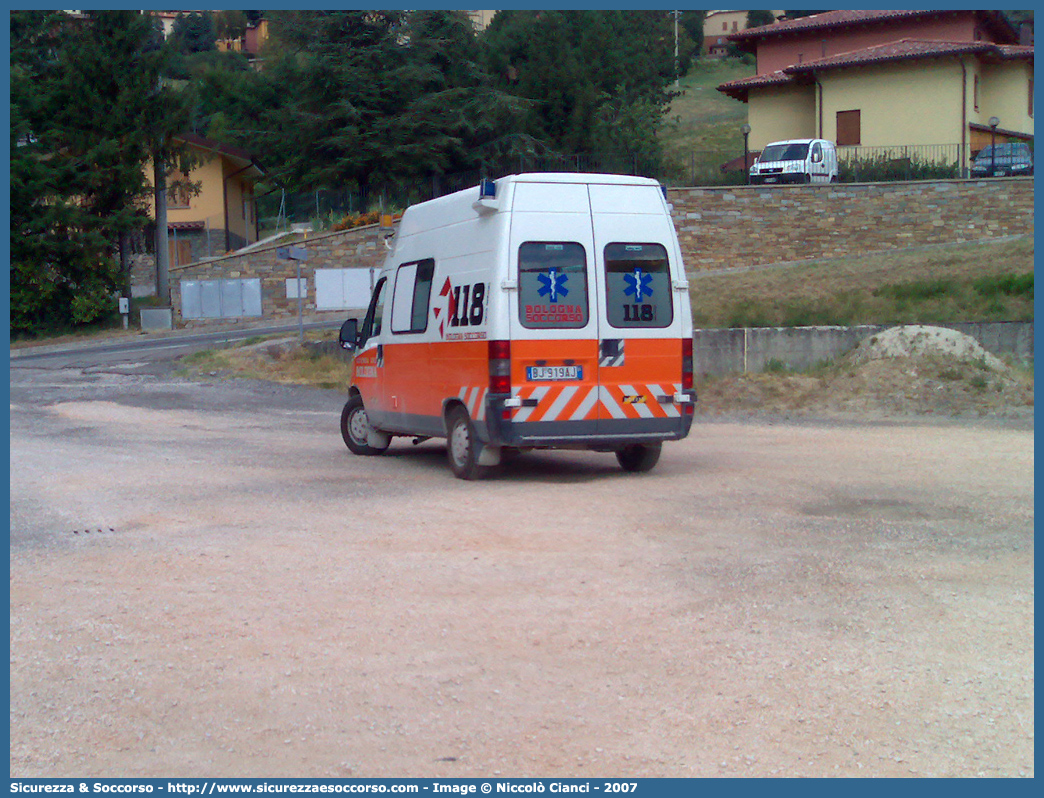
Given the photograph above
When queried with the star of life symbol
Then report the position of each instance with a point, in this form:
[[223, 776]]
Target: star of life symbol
[[552, 284], [638, 284]]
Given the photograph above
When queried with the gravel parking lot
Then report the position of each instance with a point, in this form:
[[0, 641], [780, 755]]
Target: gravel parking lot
[[205, 582]]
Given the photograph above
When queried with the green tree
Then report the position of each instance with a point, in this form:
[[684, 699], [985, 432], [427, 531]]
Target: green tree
[[194, 32], [691, 22], [352, 99], [230, 24], [87, 108], [756, 19], [597, 80], [459, 119]]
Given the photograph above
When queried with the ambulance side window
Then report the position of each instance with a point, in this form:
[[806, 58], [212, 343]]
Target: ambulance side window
[[638, 286], [411, 296], [374, 314], [552, 284]]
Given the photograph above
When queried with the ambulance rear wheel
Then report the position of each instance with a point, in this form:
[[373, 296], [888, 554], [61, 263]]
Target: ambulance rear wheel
[[355, 428], [639, 457], [462, 446]]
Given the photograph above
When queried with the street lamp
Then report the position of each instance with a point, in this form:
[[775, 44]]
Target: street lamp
[[745, 130], [993, 122]]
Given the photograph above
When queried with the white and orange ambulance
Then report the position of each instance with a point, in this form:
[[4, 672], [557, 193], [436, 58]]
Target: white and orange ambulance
[[539, 311]]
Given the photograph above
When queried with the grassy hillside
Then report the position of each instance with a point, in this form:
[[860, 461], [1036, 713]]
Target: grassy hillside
[[990, 281], [703, 120]]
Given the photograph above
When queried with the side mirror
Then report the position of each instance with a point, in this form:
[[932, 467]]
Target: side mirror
[[349, 336]]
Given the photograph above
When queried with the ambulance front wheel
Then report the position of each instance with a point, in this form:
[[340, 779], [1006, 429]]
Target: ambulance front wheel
[[639, 457], [462, 448], [356, 429]]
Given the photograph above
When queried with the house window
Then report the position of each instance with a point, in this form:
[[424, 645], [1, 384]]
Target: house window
[[848, 128], [734, 23], [975, 92]]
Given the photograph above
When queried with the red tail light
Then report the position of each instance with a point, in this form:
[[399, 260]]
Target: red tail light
[[687, 364], [500, 367]]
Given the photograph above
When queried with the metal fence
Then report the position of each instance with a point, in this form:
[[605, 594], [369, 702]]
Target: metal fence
[[888, 164], [856, 164]]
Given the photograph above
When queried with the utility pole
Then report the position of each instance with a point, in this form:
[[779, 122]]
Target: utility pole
[[162, 252], [677, 67]]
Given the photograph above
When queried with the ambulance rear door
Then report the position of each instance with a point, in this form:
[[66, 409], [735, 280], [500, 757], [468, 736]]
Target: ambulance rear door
[[553, 320], [639, 271]]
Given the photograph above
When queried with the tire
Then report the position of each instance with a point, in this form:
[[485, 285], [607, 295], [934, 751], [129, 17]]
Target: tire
[[355, 427], [640, 457], [462, 447]]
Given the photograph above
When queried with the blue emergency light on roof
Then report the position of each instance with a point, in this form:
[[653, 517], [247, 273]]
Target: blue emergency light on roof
[[487, 189]]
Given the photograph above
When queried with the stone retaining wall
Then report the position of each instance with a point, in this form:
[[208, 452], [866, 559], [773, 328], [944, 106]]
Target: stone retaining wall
[[362, 247], [719, 228], [722, 228]]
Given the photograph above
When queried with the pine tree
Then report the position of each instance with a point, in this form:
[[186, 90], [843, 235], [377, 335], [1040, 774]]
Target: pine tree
[[87, 112], [598, 80]]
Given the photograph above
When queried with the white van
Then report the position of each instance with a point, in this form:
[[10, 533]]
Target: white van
[[541, 311], [796, 161]]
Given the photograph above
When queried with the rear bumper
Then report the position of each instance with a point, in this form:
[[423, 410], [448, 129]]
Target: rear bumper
[[599, 434]]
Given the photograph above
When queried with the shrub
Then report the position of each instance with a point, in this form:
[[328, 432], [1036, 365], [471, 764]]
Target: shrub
[[1009, 284], [917, 289]]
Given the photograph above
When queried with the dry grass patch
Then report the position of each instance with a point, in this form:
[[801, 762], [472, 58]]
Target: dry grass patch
[[988, 281], [282, 360]]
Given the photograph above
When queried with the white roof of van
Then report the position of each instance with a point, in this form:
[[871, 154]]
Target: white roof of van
[[791, 141], [457, 206], [579, 177]]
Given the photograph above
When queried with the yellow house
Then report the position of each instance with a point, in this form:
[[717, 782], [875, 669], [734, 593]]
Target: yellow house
[[211, 209], [719, 25], [841, 76], [906, 93]]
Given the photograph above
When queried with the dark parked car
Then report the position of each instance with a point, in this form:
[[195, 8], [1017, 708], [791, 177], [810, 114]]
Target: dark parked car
[[1002, 160]]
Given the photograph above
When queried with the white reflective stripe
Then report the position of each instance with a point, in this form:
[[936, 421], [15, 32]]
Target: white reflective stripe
[[670, 409], [610, 404], [560, 403], [641, 409], [585, 406], [474, 400], [525, 412]]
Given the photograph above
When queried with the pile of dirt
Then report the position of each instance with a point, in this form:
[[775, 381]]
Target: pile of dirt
[[913, 370]]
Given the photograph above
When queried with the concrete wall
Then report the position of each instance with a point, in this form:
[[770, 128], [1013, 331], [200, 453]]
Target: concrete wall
[[740, 350]]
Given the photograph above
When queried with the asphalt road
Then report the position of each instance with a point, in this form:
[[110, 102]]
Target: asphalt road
[[151, 347], [205, 581]]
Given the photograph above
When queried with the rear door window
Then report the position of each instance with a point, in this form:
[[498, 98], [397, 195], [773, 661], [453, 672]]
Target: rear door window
[[552, 284], [638, 286]]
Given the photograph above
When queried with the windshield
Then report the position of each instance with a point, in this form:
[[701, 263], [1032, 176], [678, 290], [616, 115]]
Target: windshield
[[784, 152], [1003, 151]]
